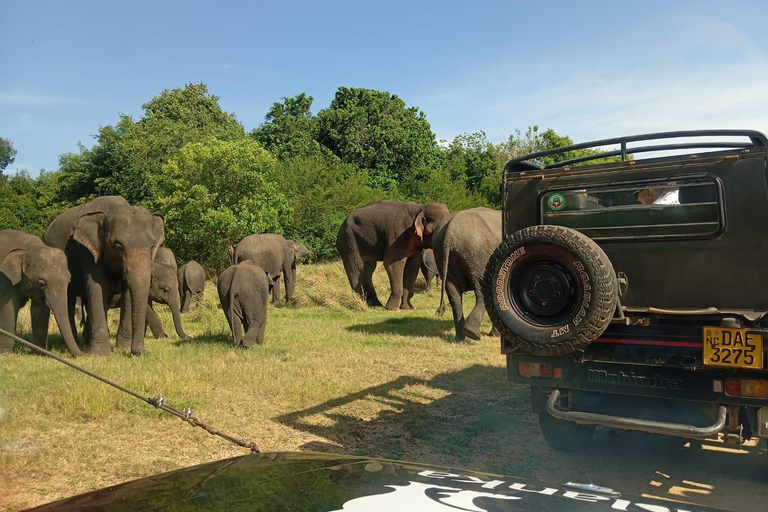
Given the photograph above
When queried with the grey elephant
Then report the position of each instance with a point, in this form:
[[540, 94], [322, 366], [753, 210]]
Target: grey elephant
[[109, 246], [428, 267], [191, 278], [29, 270], [165, 256], [244, 291], [276, 255], [462, 248], [391, 232], [164, 289]]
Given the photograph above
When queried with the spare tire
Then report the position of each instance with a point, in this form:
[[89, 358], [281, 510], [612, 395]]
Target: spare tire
[[550, 290]]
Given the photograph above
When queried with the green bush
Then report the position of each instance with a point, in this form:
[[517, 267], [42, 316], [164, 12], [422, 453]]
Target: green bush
[[214, 193]]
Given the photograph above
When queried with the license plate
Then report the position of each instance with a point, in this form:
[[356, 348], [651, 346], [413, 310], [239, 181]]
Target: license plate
[[733, 348]]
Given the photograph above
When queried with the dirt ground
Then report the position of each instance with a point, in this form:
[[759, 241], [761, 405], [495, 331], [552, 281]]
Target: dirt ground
[[468, 428]]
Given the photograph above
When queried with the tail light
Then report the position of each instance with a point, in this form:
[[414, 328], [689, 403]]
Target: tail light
[[746, 387], [541, 370]]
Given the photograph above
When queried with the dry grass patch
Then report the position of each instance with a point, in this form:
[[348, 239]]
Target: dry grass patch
[[334, 375]]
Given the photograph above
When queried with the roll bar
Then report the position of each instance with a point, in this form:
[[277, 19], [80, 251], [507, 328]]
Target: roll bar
[[757, 140]]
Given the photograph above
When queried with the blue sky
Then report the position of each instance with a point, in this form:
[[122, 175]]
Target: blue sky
[[587, 69]]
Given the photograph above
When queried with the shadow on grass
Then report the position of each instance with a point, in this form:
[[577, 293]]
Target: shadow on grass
[[221, 339], [407, 326], [473, 418]]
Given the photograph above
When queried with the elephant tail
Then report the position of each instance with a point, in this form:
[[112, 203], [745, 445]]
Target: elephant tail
[[443, 275], [231, 251]]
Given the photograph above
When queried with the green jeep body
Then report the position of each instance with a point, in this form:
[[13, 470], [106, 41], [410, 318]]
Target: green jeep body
[[688, 271]]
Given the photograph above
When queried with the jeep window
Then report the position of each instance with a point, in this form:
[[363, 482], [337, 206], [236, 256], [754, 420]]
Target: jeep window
[[675, 209]]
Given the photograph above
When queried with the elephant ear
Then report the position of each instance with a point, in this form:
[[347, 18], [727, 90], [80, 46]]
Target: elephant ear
[[87, 232], [419, 223], [13, 265], [158, 229]]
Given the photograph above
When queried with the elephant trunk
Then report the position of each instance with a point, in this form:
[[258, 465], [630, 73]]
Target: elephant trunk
[[174, 302], [137, 273], [58, 304]]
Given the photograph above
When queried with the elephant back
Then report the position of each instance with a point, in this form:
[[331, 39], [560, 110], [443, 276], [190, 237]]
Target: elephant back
[[60, 229], [269, 251]]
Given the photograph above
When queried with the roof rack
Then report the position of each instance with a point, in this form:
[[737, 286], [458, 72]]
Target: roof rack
[[757, 140]]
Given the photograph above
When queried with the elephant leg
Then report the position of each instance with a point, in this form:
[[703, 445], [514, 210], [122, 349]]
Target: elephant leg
[[367, 291], [187, 300], [41, 316], [154, 323], [124, 329], [353, 266], [457, 307], [428, 276], [237, 330], [475, 318], [96, 308], [72, 302], [276, 295], [410, 274], [289, 276], [395, 270], [9, 310]]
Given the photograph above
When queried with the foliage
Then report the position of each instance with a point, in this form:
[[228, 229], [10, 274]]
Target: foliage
[[469, 159], [7, 153], [376, 131], [213, 193], [321, 195], [29, 204], [290, 130], [127, 155]]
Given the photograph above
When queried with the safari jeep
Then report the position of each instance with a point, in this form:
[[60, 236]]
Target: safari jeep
[[632, 292]]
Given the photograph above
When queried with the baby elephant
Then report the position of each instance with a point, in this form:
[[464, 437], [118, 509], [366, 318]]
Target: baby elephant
[[243, 291], [191, 283]]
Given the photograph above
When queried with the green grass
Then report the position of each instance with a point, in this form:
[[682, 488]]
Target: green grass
[[333, 376]]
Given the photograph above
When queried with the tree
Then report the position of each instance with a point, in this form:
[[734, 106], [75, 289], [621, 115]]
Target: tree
[[321, 195], [375, 130], [213, 193], [7, 153], [290, 130], [469, 158], [127, 155]]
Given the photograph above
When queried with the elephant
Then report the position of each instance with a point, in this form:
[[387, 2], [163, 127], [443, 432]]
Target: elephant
[[164, 289], [392, 232], [29, 270], [244, 291], [109, 246], [428, 267], [166, 257], [462, 248], [275, 255], [191, 278]]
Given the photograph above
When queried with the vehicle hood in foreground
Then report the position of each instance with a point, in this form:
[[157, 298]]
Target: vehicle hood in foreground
[[325, 482]]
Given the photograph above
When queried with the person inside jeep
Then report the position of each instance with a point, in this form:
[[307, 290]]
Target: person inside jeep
[[657, 195]]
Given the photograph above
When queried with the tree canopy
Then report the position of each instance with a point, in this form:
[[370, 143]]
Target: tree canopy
[[375, 130], [298, 174], [7, 153]]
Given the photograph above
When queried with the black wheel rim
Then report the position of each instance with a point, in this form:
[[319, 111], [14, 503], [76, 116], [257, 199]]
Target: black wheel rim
[[544, 291]]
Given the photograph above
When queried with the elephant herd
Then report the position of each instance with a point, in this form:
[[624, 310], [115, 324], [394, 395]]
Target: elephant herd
[[402, 235], [107, 253]]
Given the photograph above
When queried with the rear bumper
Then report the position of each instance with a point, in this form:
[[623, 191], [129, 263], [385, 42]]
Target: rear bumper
[[621, 422], [637, 379]]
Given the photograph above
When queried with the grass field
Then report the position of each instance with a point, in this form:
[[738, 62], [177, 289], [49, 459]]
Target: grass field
[[333, 376]]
